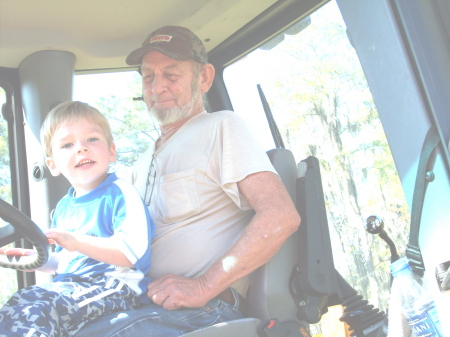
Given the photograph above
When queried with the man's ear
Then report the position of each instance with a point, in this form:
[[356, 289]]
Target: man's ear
[[52, 167], [207, 77]]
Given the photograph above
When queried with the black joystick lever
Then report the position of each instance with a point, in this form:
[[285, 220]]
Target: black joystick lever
[[375, 225]]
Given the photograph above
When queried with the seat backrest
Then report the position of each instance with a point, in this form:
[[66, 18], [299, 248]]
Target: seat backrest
[[269, 295]]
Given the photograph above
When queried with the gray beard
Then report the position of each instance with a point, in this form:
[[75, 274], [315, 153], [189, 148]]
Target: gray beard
[[171, 115]]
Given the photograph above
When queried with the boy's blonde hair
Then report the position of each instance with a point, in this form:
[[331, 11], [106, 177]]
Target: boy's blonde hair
[[71, 112]]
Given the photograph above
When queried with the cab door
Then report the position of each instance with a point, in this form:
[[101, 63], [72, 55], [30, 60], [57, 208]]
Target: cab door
[[13, 168]]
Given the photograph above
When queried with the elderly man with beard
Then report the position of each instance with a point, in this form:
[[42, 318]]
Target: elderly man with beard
[[220, 209]]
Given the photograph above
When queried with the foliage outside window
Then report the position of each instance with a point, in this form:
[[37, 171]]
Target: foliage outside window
[[117, 97], [321, 102], [5, 174], [8, 278]]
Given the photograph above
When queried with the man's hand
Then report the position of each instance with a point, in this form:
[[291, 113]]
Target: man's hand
[[65, 239], [173, 292]]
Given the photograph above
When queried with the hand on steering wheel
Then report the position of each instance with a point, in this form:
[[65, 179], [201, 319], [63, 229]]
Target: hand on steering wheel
[[20, 226]]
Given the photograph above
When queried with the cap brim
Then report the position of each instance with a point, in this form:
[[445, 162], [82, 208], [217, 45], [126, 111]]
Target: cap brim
[[135, 57]]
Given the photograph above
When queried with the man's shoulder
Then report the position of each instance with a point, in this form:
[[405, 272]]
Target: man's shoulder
[[222, 114], [221, 117]]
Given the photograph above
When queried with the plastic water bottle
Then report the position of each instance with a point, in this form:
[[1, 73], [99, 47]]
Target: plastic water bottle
[[417, 303]]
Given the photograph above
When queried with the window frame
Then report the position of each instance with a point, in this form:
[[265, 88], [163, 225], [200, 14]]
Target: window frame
[[10, 83]]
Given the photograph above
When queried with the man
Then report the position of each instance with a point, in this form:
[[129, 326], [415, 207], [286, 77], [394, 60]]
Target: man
[[220, 209]]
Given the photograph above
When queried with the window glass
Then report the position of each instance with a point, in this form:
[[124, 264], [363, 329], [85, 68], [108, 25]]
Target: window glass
[[8, 277], [116, 95], [323, 107]]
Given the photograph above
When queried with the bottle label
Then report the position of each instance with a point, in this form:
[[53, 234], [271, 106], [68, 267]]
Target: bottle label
[[425, 322]]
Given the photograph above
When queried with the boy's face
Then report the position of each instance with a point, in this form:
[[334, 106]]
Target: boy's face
[[82, 154]]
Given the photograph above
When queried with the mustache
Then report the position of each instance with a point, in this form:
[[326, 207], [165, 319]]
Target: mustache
[[154, 98]]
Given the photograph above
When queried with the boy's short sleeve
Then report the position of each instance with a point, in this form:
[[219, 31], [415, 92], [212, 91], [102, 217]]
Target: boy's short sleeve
[[133, 227]]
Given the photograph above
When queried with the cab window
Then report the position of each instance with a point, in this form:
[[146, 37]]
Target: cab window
[[117, 96], [320, 100], [8, 279]]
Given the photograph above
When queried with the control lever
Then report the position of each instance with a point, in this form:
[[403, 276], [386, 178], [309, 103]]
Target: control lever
[[375, 225], [365, 320]]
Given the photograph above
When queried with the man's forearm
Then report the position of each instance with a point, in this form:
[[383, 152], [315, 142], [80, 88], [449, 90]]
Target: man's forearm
[[257, 245]]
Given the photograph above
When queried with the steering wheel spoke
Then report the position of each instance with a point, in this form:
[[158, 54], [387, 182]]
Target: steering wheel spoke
[[21, 226]]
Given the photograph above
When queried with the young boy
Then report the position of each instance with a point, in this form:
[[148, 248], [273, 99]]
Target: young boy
[[102, 229]]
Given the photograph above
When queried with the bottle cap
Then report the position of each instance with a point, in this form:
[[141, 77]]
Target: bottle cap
[[399, 265]]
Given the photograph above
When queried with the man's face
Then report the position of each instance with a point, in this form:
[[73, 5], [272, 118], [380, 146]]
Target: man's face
[[170, 88]]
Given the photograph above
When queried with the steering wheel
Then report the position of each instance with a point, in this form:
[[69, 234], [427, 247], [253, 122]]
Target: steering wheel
[[20, 226]]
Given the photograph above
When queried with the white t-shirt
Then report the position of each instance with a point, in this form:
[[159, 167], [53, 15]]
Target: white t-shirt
[[194, 197]]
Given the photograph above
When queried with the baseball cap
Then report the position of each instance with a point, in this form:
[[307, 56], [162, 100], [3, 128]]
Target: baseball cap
[[178, 43]]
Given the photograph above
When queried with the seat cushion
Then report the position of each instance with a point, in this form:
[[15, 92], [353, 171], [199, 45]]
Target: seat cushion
[[247, 327]]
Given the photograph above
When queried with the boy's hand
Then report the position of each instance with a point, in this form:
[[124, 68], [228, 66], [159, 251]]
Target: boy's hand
[[17, 251], [65, 239]]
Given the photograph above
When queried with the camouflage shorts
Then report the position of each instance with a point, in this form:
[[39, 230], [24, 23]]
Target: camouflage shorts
[[63, 308]]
